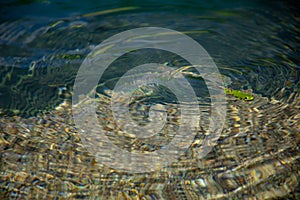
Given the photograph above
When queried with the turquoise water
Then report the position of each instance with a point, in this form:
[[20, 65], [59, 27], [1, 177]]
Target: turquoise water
[[255, 45]]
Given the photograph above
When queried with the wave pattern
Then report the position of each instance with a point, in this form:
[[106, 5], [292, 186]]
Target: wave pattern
[[42, 157], [257, 155]]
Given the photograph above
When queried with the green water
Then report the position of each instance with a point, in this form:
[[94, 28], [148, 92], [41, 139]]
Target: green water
[[251, 42], [254, 44]]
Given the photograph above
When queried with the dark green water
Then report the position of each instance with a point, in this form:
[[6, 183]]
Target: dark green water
[[251, 42], [43, 43]]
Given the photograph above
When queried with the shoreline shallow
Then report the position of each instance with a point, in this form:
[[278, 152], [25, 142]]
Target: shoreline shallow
[[43, 157]]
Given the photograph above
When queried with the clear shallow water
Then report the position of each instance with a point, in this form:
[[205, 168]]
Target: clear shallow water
[[42, 46]]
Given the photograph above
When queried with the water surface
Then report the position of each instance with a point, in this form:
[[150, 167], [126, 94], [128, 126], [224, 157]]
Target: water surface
[[254, 44]]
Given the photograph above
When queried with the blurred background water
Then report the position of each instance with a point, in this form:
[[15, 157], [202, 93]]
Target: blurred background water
[[43, 42], [253, 41]]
